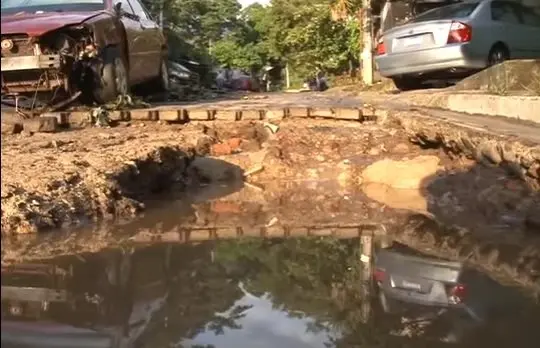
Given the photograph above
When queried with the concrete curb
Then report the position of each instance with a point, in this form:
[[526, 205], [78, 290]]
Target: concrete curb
[[517, 107]]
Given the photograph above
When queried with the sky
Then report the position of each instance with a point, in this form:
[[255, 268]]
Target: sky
[[245, 3], [264, 327]]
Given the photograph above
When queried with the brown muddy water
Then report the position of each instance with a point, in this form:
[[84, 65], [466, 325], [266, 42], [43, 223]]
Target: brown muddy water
[[234, 266]]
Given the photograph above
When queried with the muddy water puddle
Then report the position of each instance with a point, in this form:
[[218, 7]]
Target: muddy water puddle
[[251, 292], [254, 266]]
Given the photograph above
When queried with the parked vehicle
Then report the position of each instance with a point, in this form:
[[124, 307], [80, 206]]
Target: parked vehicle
[[456, 40], [419, 288], [100, 48]]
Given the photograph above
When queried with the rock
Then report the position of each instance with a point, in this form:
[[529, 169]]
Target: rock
[[234, 144], [534, 171], [41, 124], [221, 149], [204, 145], [406, 174], [214, 170], [410, 199], [12, 128], [490, 153]]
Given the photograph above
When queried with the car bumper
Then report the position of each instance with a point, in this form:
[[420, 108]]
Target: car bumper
[[428, 60], [31, 73], [44, 61]]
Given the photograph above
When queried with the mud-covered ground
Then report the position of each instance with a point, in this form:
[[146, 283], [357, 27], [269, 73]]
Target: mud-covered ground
[[478, 190]]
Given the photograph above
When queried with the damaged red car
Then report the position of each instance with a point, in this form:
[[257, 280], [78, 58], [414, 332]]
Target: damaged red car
[[97, 48]]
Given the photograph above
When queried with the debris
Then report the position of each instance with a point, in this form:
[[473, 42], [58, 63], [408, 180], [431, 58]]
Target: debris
[[272, 127], [99, 117], [272, 222], [253, 186], [253, 171]]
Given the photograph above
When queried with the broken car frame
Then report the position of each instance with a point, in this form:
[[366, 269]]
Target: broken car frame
[[88, 48]]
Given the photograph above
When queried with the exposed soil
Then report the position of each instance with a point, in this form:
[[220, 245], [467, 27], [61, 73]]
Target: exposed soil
[[485, 191]]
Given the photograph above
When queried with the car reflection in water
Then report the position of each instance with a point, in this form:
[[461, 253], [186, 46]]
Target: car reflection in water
[[81, 301], [295, 293], [428, 295]]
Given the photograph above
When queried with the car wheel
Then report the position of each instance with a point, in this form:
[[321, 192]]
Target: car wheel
[[113, 76], [160, 85], [498, 55], [407, 83]]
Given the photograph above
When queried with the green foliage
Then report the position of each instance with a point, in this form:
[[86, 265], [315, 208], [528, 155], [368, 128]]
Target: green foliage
[[300, 33]]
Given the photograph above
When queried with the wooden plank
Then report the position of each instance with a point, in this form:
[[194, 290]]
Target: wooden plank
[[251, 115], [200, 114], [349, 114], [227, 115], [275, 114], [322, 112], [298, 112]]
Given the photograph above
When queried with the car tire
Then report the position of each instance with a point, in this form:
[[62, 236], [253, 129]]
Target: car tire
[[158, 87], [112, 79], [498, 54], [407, 83]]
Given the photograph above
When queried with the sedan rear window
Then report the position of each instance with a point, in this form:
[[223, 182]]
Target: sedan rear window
[[447, 12]]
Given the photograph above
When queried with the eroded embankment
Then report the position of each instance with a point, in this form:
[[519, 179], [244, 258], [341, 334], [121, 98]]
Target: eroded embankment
[[479, 190]]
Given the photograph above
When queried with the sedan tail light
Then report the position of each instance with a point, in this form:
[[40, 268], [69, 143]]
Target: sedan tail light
[[457, 294], [459, 33], [380, 47]]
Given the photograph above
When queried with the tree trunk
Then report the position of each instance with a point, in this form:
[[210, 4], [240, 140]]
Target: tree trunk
[[367, 44]]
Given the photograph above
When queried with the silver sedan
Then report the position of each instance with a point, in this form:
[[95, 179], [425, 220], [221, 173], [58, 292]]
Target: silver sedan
[[453, 41]]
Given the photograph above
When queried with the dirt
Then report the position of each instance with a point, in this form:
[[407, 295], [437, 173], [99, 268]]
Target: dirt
[[484, 195]]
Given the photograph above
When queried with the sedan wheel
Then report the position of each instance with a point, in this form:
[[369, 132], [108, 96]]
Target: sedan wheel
[[497, 56]]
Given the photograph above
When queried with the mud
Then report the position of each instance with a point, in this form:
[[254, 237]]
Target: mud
[[481, 202]]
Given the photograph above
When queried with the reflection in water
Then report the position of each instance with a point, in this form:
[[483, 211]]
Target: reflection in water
[[262, 325], [300, 292]]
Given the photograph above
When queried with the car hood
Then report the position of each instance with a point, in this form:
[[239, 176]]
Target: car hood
[[38, 24]]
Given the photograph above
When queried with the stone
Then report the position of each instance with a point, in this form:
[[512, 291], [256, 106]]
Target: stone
[[409, 199], [214, 170], [405, 174], [41, 125], [348, 114], [221, 149], [534, 171], [490, 153], [234, 144]]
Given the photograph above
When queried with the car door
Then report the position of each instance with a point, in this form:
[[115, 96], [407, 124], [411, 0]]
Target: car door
[[508, 28], [151, 41], [530, 26], [135, 42]]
